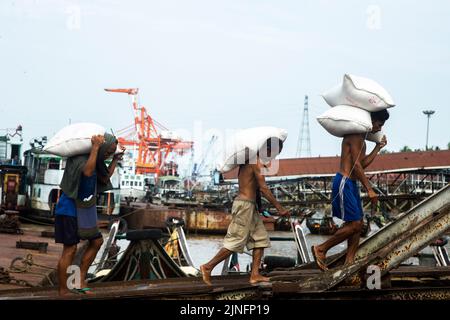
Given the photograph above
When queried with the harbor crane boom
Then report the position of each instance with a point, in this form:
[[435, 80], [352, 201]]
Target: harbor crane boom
[[153, 141]]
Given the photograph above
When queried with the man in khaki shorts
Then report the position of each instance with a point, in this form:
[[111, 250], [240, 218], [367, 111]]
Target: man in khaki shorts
[[246, 227]]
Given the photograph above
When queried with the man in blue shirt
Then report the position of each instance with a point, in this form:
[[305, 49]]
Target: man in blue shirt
[[76, 213]]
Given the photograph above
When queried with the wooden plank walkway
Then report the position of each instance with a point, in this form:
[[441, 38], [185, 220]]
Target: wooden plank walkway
[[223, 287]]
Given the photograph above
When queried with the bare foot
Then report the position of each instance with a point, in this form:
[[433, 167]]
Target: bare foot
[[258, 278], [206, 274], [64, 292], [320, 258]]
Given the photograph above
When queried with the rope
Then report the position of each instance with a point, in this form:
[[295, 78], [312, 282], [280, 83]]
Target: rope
[[129, 213], [27, 263], [354, 164], [6, 278]]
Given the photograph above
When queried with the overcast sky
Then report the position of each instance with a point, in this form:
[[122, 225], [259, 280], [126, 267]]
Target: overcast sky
[[229, 64]]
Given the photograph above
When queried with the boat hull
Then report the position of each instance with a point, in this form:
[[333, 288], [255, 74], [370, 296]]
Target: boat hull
[[196, 220]]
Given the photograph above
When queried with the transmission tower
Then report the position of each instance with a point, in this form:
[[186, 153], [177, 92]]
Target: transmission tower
[[303, 137]]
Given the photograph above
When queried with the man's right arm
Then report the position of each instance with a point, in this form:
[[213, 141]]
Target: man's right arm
[[91, 163], [265, 189]]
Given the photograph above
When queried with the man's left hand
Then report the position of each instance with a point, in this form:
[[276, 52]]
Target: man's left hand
[[383, 142], [284, 213], [119, 156]]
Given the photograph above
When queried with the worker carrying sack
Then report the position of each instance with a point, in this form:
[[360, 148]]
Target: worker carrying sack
[[359, 92], [245, 144], [74, 139]]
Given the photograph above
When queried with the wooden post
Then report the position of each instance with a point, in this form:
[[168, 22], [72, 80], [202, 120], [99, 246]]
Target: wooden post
[[108, 203]]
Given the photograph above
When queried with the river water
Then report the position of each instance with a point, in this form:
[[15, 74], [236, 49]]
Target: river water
[[203, 248]]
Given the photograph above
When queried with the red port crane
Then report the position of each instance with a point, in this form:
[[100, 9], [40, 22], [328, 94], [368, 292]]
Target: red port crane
[[153, 141]]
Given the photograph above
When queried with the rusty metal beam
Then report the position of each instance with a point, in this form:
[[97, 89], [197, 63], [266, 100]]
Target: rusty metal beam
[[229, 287], [415, 240], [386, 258], [287, 290], [404, 222], [390, 246]]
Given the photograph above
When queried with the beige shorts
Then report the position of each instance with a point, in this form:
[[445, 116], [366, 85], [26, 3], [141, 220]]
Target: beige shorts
[[246, 228]]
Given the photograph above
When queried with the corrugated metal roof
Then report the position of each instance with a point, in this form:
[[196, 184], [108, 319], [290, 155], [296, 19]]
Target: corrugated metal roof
[[389, 162]]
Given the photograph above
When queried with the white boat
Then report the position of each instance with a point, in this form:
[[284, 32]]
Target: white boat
[[133, 186], [44, 176]]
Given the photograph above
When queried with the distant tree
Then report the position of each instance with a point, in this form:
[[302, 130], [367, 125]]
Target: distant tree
[[405, 149], [448, 146], [384, 151], [437, 148]]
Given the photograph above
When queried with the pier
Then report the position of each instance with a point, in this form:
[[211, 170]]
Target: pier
[[386, 250]]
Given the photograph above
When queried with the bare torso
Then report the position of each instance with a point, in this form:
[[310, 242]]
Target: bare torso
[[247, 183], [347, 161]]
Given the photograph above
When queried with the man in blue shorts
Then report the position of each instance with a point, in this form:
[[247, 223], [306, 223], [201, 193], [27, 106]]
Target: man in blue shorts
[[76, 211], [346, 202]]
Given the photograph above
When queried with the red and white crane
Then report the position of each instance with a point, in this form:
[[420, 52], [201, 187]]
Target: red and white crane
[[151, 139]]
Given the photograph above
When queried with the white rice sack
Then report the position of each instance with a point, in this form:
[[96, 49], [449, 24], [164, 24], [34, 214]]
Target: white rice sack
[[359, 92], [250, 141], [343, 120], [118, 149], [375, 137], [74, 139]]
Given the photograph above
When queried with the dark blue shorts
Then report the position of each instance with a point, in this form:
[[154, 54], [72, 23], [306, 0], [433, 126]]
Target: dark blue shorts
[[66, 230], [346, 200]]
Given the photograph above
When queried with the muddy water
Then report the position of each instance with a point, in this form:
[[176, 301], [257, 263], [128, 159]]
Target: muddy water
[[203, 248]]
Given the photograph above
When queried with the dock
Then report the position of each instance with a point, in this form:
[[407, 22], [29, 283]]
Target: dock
[[384, 251], [405, 283], [32, 268]]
